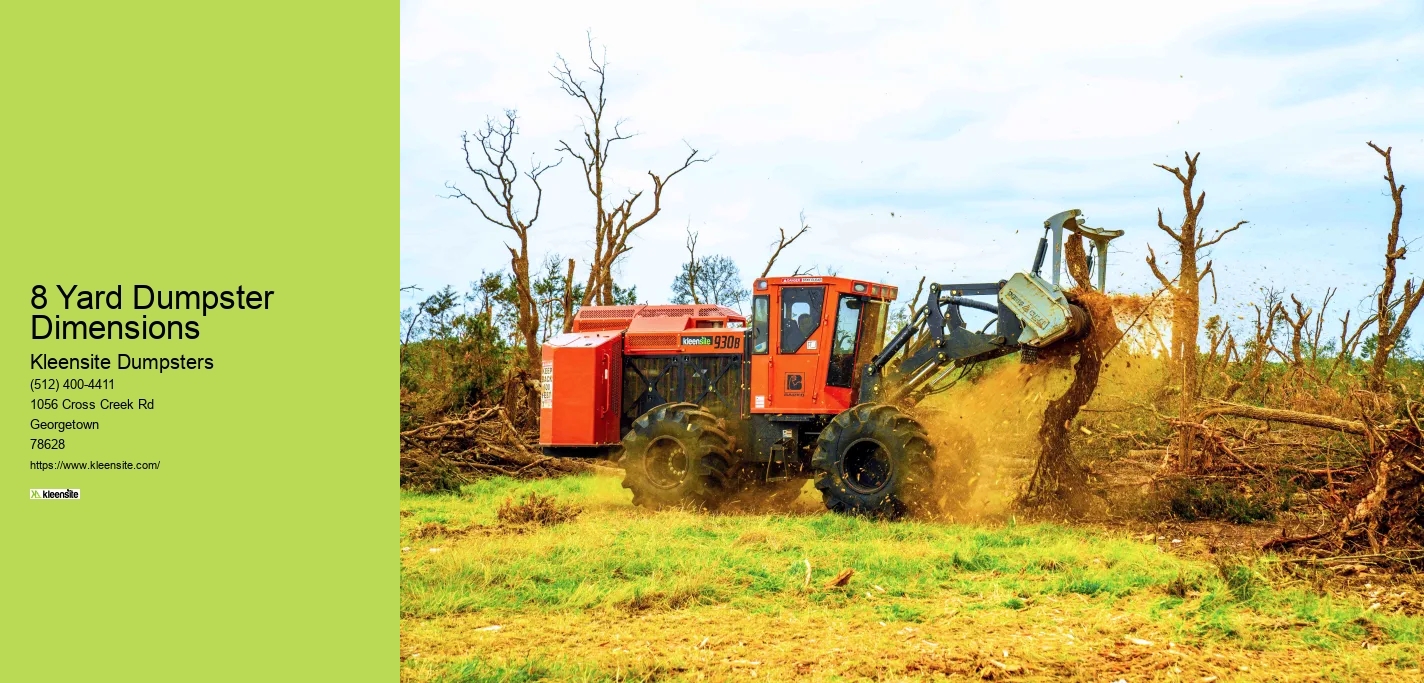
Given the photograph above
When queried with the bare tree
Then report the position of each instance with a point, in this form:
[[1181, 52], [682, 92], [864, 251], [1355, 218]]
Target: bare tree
[[1318, 328], [569, 299], [1262, 342], [1217, 332], [1186, 295], [1348, 342], [915, 300], [614, 221], [783, 243], [1391, 315], [1297, 325], [414, 316], [490, 161], [692, 263], [909, 311]]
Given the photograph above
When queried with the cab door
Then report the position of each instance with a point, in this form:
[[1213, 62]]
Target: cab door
[[795, 370]]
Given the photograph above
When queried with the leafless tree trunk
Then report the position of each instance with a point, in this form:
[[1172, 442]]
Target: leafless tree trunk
[[910, 309], [1059, 479], [498, 175], [1186, 297], [1297, 325], [569, 299], [1261, 344], [414, 316], [1217, 333], [915, 300], [413, 320], [783, 243], [692, 264], [1348, 342], [1392, 315], [614, 222], [1318, 327]]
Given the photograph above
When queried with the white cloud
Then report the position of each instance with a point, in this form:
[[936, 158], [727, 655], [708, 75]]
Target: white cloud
[[968, 120]]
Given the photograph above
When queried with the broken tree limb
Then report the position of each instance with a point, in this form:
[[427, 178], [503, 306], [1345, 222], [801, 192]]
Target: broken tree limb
[[1278, 415], [444, 455], [841, 579], [782, 243]]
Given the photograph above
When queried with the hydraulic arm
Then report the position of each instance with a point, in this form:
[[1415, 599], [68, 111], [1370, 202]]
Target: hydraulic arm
[[937, 340], [1029, 313]]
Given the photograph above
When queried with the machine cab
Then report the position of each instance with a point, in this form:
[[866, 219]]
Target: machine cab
[[810, 337]]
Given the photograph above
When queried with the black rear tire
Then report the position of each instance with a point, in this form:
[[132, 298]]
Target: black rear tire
[[874, 460], [677, 454]]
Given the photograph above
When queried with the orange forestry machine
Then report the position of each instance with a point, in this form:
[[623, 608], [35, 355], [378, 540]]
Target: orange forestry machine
[[700, 403]]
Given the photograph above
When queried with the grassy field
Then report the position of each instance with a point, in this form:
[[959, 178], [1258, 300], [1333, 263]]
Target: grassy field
[[620, 593]]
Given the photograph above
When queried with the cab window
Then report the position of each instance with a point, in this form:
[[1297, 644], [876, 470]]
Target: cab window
[[872, 334], [841, 370], [761, 330], [800, 315]]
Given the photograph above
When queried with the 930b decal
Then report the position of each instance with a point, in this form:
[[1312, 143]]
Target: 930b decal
[[719, 342]]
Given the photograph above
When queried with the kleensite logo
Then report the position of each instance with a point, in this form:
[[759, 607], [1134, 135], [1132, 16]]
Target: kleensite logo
[[54, 494]]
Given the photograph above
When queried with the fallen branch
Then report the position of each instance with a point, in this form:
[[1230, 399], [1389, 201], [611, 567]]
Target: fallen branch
[[444, 455], [1399, 556], [1278, 415]]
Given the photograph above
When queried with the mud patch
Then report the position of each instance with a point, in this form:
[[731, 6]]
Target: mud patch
[[431, 530]]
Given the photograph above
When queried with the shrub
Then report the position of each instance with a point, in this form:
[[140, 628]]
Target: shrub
[[536, 509], [1193, 501]]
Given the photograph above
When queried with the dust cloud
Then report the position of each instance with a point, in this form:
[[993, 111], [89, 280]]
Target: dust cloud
[[989, 431], [986, 436]]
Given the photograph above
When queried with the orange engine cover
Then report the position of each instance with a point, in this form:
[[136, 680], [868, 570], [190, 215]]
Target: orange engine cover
[[581, 389]]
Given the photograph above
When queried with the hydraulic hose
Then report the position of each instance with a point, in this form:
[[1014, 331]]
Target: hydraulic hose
[[969, 303]]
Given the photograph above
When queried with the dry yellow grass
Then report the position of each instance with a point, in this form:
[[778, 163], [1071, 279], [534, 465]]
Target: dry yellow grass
[[620, 593], [1059, 638]]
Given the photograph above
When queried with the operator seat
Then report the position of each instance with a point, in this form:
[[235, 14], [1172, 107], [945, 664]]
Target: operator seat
[[788, 329]]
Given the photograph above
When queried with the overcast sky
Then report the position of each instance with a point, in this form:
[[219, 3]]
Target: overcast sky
[[934, 138]]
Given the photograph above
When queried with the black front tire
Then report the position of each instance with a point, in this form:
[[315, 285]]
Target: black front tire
[[677, 454], [874, 460]]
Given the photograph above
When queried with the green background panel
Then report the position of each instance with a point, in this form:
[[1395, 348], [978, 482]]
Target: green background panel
[[205, 146]]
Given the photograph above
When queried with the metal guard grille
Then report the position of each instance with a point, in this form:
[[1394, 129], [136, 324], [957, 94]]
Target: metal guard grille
[[652, 341]]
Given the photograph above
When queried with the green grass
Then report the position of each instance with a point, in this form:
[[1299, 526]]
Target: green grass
[[618, 561], [477, 669], [639, 560]]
